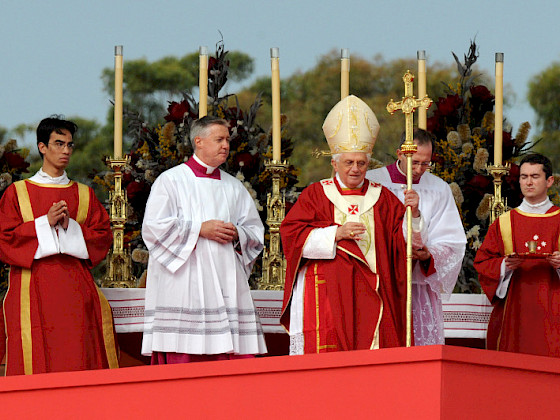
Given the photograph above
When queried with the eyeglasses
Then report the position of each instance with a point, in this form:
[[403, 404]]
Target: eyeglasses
[[60, 145], [422, 164]]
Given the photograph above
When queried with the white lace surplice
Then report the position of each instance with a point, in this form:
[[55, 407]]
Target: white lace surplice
[[445, 239]]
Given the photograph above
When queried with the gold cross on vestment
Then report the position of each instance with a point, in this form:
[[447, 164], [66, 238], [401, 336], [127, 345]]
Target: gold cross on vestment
[[408, 104]]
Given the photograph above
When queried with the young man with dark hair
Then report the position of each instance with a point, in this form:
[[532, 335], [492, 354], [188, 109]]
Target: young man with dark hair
[[52, 232], [518, 265]]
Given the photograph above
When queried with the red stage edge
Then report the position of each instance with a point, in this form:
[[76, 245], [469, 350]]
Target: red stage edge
[[419, 382]]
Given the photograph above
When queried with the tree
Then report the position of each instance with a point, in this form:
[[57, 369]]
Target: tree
[[544, 97]]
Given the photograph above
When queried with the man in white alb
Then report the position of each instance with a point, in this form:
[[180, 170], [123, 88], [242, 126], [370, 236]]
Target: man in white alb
[[203, 233], [438, 260]]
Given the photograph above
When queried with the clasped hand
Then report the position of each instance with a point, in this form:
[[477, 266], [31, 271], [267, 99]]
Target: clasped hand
[[219, 231], [350, 230], [58, 214]]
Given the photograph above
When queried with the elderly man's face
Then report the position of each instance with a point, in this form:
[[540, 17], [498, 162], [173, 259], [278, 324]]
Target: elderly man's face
[[352, 168]]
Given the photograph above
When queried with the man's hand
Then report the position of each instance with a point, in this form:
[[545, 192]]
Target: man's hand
[[412, 199], [513, 262], [421, 254], [554, 259], [350, 230], [219, 231], [58, 214]]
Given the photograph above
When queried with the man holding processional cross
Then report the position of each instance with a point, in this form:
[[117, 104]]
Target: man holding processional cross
[[345, 250]]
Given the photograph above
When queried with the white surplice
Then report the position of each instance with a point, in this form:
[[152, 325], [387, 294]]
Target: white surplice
[[445, 239], [197, 296]]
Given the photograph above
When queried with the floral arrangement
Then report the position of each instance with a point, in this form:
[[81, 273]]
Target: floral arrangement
[[13, 165], [463, 125], [156, 149]]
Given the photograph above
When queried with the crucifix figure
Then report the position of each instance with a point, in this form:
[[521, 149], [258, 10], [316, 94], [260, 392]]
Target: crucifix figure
[[407, 105]]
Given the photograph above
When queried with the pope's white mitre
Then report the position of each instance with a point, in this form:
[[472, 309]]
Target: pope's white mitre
[[351, 126]]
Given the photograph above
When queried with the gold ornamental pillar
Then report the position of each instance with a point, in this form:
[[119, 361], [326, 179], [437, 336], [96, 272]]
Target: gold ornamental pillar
[[273, 262], [119, 264]]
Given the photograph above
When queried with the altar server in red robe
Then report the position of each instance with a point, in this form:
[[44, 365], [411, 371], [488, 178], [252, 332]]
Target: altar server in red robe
[[518, 266], [346, 257], [52, 232]]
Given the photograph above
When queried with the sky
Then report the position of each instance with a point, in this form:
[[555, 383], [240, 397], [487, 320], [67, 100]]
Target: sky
[[52, 52]]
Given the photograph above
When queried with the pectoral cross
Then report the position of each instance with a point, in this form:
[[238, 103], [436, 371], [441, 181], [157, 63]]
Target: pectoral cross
[[408, 104]]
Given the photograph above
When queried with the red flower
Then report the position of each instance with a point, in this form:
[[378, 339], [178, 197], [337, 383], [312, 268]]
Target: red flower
[[177, 111], [16, 161], [134, 188], [479, 183], [449, 105], [481, 93], [249, 161]]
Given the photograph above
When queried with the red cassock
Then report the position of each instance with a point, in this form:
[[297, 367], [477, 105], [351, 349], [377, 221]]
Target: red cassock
[[527, 319], [55, 317], [346, 304]]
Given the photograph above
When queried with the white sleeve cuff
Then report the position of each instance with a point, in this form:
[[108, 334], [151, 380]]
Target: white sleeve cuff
[[72, 241], [505, 277], [47, 237], [321, 244]]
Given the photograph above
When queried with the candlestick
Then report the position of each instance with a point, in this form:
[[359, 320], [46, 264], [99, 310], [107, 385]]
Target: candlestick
[[276, 128], [499, 109], [344, 73], [422, 111], [203, 82], [118, 116]]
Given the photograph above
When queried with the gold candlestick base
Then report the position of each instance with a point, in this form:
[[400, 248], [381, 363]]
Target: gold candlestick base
[[119, 262], [273, 262], [498, 204]]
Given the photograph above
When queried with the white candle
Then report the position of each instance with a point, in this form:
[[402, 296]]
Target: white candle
[[118, 117], [203, 82], [276, 128], [422, 112], [499, 109], [344, 73]]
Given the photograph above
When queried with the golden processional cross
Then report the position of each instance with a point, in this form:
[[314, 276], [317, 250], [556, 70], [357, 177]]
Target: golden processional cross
[[407, 105]]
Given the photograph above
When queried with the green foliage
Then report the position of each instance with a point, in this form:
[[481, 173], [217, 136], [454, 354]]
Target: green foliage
[[544, 97]]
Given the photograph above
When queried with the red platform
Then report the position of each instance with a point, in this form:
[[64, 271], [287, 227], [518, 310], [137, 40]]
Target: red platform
[[420, 382]]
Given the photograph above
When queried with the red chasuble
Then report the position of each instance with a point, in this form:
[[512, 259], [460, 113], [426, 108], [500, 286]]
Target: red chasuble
[[55, 317], [346, 304], [527, 320]]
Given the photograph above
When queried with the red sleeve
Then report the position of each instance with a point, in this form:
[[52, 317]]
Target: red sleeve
[[18, 240], [488, 260], [428, 267], [97, 230]]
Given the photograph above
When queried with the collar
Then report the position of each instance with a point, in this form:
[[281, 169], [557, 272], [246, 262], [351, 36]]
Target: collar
[[202, 170], [344, 190], [41, 177], [398, 176], [539, 208]]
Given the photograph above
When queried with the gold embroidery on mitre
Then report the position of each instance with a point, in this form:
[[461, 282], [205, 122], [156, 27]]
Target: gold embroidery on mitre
[[351, 126]]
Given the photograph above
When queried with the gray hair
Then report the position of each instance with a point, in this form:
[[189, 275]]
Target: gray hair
[[200, 127]]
